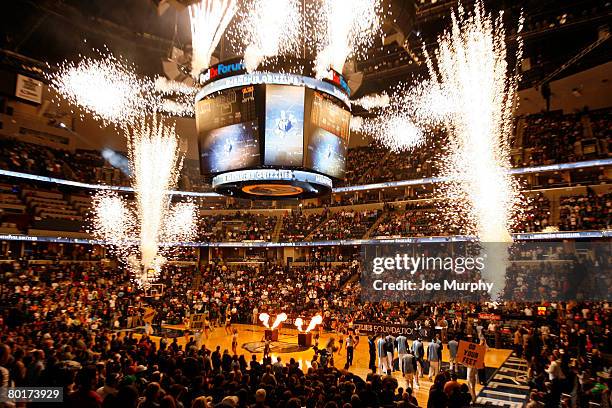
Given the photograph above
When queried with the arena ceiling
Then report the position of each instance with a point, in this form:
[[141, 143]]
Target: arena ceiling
[[146, 32]]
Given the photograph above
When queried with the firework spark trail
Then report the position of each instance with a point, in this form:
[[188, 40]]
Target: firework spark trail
[[402, 119], [345, 27], [177, 108], [138, 232], [369, 102], [209, 19], [357, 124], [167, 86], [114, 221], [394, 127], [107, 88], [180, 222], [471, 75], [269, 28], [155, 163]]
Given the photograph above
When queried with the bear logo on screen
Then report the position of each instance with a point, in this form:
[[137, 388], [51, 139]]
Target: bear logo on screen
[[284, 123]]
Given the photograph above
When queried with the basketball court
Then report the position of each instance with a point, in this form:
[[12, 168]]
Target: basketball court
[[250, 340]]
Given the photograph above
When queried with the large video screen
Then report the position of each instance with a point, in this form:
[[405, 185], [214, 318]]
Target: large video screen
[[284, 136], [230, 148], [228, 131], [329, 130], [326, 153]]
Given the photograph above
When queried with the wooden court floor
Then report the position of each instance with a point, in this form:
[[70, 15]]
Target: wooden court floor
[[249, 333]]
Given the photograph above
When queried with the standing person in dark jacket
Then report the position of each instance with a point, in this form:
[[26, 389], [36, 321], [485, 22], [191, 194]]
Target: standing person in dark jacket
[[437, 397], [372, 351], [216, 359], [419, 353], [390, 349]]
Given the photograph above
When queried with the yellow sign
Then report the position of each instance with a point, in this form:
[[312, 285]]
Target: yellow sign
[[471, 354]]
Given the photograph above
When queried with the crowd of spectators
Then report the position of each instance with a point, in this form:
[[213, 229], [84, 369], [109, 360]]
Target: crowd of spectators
[[535, 216], [237, 227], [345, 225], [58, 322], [547, 138], [590, 212], [552, 138], [416, 219], [297, 225]]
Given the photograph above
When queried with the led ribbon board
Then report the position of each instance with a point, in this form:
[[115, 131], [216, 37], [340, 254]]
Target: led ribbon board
[[276, 79]]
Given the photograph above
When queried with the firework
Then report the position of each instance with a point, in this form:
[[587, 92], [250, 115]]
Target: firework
[[181, 222], [471, 74], [139, 232], [357, 124], [107, 88], [177, 108], [346, 27], [269, 28], [167, 86], [394, 130], [472, 81], [369, 102], [401, 119], [173, 97], [155, 163], [113, 219], [209, 19]]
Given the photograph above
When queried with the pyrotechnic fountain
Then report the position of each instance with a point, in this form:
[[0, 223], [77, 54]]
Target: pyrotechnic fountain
[[346, 27], [107, 88], [137, 231], [269, 28], [471, 72], [209, 19]]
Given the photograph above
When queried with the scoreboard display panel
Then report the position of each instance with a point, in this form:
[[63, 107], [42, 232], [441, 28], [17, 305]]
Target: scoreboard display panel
[[328, 136], [228, 130]]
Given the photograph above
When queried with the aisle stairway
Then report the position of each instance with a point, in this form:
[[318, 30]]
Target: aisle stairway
[[508, 387], [277, 229], [374, 226], [312, 232]]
